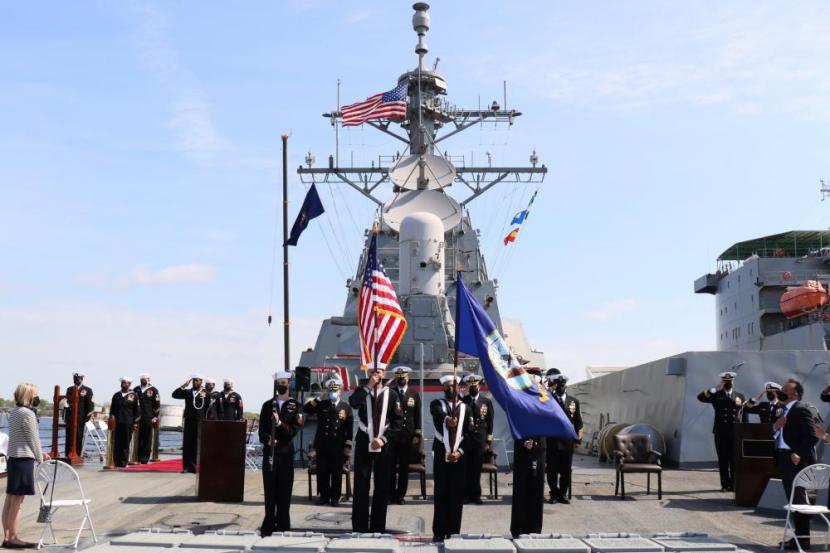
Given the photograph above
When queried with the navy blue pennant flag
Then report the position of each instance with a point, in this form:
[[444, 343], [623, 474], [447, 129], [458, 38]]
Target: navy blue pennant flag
[[531, 410], [312, 207]]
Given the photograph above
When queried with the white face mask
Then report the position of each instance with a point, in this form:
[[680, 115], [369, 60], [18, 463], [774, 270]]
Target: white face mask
[[334, 395]]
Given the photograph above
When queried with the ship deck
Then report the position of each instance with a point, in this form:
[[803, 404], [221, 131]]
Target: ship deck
[[692, 502]]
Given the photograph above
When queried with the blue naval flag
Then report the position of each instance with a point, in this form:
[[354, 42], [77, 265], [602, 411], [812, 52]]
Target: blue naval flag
[[520, 217], [312, 207], [531, 410]]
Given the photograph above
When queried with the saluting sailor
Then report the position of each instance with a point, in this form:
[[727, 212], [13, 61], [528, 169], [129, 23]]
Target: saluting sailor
[[230, 403], [150, 407], [279, 421], [481, 409], [769, 410], [454, 434], [379, 415], [124, 414], [726, 403], [195, 406], [332, 440], [408, 438], [560, 451]]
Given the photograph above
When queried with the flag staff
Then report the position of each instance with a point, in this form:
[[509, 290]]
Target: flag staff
[[285, 320]]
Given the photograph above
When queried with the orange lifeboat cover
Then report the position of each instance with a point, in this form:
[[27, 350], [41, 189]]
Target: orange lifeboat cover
[[799, 300]]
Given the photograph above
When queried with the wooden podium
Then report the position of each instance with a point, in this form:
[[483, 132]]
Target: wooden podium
[[221, 461], [754, 461]]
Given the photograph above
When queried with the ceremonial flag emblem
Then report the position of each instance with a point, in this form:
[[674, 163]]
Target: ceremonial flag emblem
[[511, 237], [519, 218], [312, 207], [381, 323], [530, 410], [386, 105]]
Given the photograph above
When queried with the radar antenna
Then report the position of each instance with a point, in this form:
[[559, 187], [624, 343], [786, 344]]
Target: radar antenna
[[423, 166], [824, 189]]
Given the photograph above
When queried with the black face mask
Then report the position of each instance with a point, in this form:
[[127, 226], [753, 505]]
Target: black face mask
[[450, 394], [209, 387], [727, 385], [144, 382], [402, 382], [560, 389], [77, 380], [35, 401], [227, 388], [472, 390], [772, 396], [125, 387], [281, 389]]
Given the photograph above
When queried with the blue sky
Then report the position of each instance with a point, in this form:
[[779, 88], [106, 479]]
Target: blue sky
[[140, 169]]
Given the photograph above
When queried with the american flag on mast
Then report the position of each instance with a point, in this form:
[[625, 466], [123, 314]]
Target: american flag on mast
[[386, 105], [379, 317]]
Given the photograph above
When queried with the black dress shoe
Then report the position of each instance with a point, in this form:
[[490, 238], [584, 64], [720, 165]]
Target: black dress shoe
[[790, 545], [334, 502], [477, 501], [552, 500], [563, 499], [321, 501], [400, 501]]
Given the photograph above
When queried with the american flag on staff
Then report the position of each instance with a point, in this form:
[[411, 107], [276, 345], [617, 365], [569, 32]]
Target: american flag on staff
[[378, 305], [386, 105]]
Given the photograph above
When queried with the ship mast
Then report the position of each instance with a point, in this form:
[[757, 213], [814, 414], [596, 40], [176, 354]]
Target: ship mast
[[427, 114]]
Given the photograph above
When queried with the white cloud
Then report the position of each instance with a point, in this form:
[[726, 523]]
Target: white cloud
[[609, 310], [191, 273], [44, 344], [188, 273], [357, 17], [190, 118]]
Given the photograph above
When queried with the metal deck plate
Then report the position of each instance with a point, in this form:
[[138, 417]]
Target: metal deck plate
[[560, 545], [364, 545], [688, 543], [109, 548], [150, 539], [221, 541], [629, 544], [296, 543], [469, 544]]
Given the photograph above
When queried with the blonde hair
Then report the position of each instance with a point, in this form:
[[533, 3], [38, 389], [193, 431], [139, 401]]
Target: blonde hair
[[24, 393]]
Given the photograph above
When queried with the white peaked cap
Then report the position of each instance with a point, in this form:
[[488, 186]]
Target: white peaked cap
[[282, 374], [470, 378], [402, 370], [448, 378], [144, 375], [728, 375], [333, 380], [125, 379], [228, 381], [772, 385], [197, 375], [210, 380], [78, 373]]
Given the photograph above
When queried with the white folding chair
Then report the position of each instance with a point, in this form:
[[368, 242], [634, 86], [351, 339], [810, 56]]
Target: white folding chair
[[812, 478], [4, 451], [93, 436], [60, 487]]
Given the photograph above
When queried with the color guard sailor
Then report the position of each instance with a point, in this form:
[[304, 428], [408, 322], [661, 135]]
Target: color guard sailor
[[279, 421], [526, 512], [86, 405]]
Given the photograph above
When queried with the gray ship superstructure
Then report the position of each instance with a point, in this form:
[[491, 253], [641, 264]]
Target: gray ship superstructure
[[754, 337], [424, 235]]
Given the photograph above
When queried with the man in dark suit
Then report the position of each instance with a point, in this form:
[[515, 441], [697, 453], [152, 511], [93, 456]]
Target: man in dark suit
[[768, 410], [481, 409], [408, 438], [795, 440], [726, 403], [85, 407]]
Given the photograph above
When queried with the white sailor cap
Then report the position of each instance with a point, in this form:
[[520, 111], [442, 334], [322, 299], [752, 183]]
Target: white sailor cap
[[197, 376], [144, 375], [125, 379], [773, 386], [333, 382], [402, 370], [210, 380], [728, 375], [448, 379], [227, 380], [282, 374], [555, 377], [473, 378]]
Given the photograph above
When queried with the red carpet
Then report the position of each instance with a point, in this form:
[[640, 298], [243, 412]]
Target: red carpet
[[168, 465]]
